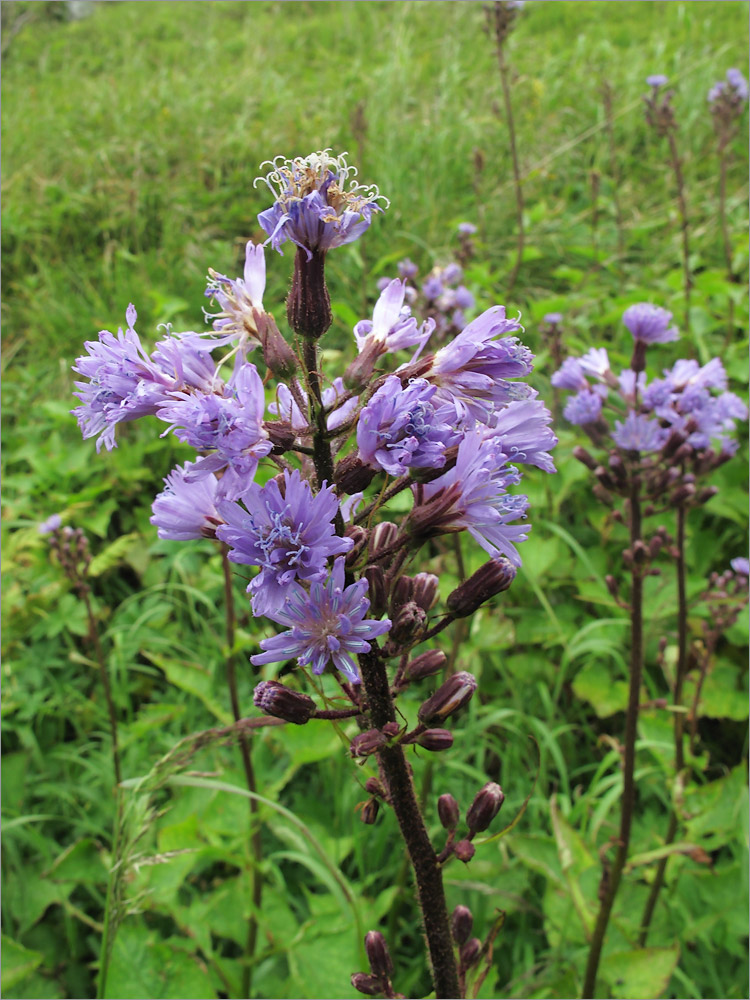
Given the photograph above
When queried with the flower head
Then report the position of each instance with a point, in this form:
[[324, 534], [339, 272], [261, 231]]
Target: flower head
[[318, 203], [286, 408], [392, 326], [289, 534], [639, 433], [240, 298], [186, 508], [657, 80], [467, 228], [583, 408], [522, 427], [400, 428], [325, 626], [52, 524], [650, 324]]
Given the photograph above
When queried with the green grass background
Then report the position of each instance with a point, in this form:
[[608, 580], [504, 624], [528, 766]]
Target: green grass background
[[131, 139]]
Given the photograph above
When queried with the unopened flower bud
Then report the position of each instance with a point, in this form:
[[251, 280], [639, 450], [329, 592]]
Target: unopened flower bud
[[436, 740], [359, 536], [681, 494], [485, 807], [470, 953], [277, 354], [377, 591], [275, 699], [612, 585], [448, 811], [449, 697], [374, 787], [351, 475], [281, 434], [464, 851], [654, 546], [391, 729], [426, 664], [585, 457], [490, 579], [602, 495], [382, 537], [408, 624], [640, 552], [426, 590], [461, 924], [706, 494], [683, 453], [367, 743], [402, 593], [369, 985], [673, 442], [377, 954], [617, 468], [604, 477], [369, 812], [308, 305]]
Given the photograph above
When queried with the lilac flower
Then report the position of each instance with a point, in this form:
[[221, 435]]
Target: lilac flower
[[289, 534], [595, 363], [522, 427], [468, 228], [738, 83], [383, 283], [318, 204], [687, 373], [570, 376], [657, 80], [452, 273], [741, 566], [407, 268], [639, 433], [52, 523], [400, 428], [392, 326], [583, 408], [230, 424], [432, 287], [285, 406], [650, 324], [471, 371], [463, 299], [186, 508], [630, 383], [473, 495], [327, 625], [239, 299], [124, 383], [554, 319]]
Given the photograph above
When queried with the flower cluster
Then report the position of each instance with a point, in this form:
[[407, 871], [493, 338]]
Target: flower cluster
[[727, 100], [451, 427]]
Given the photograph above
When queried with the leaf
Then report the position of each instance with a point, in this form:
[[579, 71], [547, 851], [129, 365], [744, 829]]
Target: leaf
[[142, 965], [594, 684], [643, 972], [17, 963], [113, 554], [193, 678]]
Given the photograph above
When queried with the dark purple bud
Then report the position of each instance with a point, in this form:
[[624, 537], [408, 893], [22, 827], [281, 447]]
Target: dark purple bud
[[648, 510], [277, 354], [612, 585], [603, 495], [681, 494], [281, 435], [351, 475], [604, 477], [408, 624], [359, 536], [490, 579], [377, 954], [617, 468], [654, 546], [275, 699], [683, 453], [464, 851], [706, 494], [402, 593], [640, 552], [426, 664], [673, 442], [449, 697], [377, 590], [435, 740], [369, 811], [391, 729], [426, 590], [470, 953], [367, 743], [369, 985], [485, 807], [375, 787], [585, 457], [308, 306], [382, 537], [448, 811], [638, 360], [359, 372], [461, 924]]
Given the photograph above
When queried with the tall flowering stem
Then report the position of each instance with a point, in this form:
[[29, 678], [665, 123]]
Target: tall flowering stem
[[614, 168]]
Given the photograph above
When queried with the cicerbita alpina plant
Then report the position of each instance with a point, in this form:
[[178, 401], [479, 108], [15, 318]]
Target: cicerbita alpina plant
[[293, 474], [658, 441], [660, 115], [727, 100]]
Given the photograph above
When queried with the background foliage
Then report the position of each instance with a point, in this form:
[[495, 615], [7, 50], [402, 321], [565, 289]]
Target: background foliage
[[131, 140]]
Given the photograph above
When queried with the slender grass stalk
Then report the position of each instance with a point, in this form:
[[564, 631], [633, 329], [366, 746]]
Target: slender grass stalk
[[687, 279], [612, 883], [105, 952], [595, 178], [723, 165], [679, 720], [93, 639], [614, 170], [247, 763]]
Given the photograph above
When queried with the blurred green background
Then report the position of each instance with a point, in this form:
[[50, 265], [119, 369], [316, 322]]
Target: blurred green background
[[131, 139]]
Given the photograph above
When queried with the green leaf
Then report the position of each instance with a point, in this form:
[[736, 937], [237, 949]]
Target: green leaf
[[114, 554], [17, 963], [594, 684], [142, 965], [643, 972]]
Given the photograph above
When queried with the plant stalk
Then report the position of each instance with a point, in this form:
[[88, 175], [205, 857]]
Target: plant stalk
[[684, 224], [103, 673], [631, 731], [516, 170]]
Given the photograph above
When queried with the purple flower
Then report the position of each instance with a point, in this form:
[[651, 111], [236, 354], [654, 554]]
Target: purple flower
[[738, 83], [285, 406], [230, 424], [463, 299], [407, 268], [554, 319], [239, 299], [392, 326], [473, 495], [327, 625], [630, 383], [186, 508], [583, 408], [468, 228], [433, 287], [687, 373], [289, 534], [595, 363], [318, 203], [657, 80], [400, 428], [471, 371], [52, 523], [639, 433], [650, 324], [124, 383], [570, 376], [524, 433], [452, 274], [741, 566]]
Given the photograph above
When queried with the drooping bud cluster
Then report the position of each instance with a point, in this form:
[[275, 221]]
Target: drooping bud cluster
[[70, 546], [378, 982], [658, 104]]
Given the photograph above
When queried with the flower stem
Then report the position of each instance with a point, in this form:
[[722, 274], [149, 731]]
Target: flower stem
[[514, 156], [247, 762], [684, 224], [93, 638], [631, 729], [428, 875], [679, 721]]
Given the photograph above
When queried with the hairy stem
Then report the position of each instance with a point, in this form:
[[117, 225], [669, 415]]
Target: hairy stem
[[428, 875], [247, 763], [684, 224], [679, 721], [516, 170], [631, 730]]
